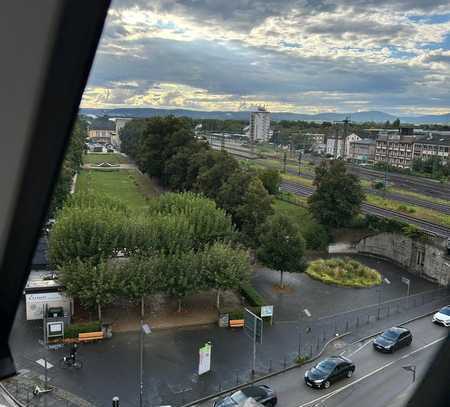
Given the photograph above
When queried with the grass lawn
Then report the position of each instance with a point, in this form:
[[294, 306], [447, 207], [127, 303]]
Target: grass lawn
[[412, 210], [298, 179], [130, 187], [405, 192], [112, 158], [344, 272]]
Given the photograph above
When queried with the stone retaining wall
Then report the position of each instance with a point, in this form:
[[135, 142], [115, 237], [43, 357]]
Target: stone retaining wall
[[427, 259]]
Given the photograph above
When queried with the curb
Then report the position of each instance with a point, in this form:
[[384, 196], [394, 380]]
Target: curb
[[408, 321], [13, 399], [267, 376]]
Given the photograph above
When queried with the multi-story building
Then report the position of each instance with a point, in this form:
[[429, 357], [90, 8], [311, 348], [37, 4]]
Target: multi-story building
[[100, 136], [396, 149], [120, 124], [259, 129], [362, 151], [432, 145], [402, 148], [350, 139], [335, 146]]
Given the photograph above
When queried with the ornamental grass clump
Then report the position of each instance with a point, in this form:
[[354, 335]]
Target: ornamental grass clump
[[344, 272]]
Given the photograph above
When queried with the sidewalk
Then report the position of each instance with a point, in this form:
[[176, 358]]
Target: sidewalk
[[20, 388]]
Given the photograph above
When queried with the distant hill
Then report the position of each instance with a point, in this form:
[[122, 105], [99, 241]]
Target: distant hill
[[358, 117]]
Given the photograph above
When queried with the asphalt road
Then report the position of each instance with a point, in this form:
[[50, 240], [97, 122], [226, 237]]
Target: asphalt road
[[378, 379]]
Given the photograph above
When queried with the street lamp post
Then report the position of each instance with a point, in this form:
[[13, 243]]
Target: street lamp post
[[143, 329], [387, 281]]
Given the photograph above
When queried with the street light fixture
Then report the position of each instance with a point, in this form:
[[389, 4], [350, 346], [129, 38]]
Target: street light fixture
[[143, 329]]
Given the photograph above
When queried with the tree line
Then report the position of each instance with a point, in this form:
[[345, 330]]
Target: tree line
[[70, 166], [166, 148], [181, 245]]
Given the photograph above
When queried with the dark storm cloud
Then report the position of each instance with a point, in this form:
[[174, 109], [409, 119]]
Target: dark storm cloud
[[246, 14], [243, 71]]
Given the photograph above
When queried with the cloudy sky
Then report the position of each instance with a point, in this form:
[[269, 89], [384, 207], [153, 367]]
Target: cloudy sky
[[306, 56]]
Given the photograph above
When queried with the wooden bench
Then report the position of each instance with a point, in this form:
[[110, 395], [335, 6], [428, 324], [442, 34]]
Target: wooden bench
[[90, 336], [236, 323]]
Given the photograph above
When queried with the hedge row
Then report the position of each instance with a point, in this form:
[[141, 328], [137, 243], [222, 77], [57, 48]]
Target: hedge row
[[252, 296], [73, 330]]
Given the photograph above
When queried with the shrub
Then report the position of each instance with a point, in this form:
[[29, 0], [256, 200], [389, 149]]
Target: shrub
[[73, 330], [252, 296]]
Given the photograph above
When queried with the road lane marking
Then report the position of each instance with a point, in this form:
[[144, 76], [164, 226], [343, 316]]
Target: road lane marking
[[361, 347], [341, 389]]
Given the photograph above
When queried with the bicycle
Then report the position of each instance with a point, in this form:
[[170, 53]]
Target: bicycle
[[68, 362]]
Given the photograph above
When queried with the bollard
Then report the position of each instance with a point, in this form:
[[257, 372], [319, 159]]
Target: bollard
[[115, 401], [270, 365], [318, 346]]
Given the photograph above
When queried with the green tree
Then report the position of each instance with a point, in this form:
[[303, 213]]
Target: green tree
[[338, 195], [223, 267], [181, 276], [88, 234], [396, 123], [244, 197], [281, 245], [271, 180], [140, 277], [94, 284], [218, 167]]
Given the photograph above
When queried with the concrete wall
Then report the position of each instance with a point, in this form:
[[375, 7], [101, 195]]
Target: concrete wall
[[427, 259]]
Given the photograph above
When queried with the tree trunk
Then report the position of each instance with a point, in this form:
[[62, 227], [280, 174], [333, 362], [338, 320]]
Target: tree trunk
[[99, 310], [179, 304], [218, 299], [281, 279], [142, 307]]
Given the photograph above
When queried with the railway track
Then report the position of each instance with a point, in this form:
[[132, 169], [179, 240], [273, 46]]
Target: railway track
[[370, 209]]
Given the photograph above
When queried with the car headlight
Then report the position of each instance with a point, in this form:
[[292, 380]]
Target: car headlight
[[318, 381]]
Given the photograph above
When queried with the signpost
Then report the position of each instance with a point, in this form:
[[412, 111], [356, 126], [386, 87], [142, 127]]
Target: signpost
[[407, 281], [267, 311], [253, 327], [204, 362]]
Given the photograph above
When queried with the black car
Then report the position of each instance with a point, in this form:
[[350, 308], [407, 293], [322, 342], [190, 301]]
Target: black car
[[262, 394], [392, 339], [328, 371]]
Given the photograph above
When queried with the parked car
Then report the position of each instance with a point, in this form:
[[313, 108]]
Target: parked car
[[328, 371], [392, 339], [262, 393], [443, 316]]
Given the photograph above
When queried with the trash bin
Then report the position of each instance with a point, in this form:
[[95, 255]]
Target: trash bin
[[224, 320], [107, 329]]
